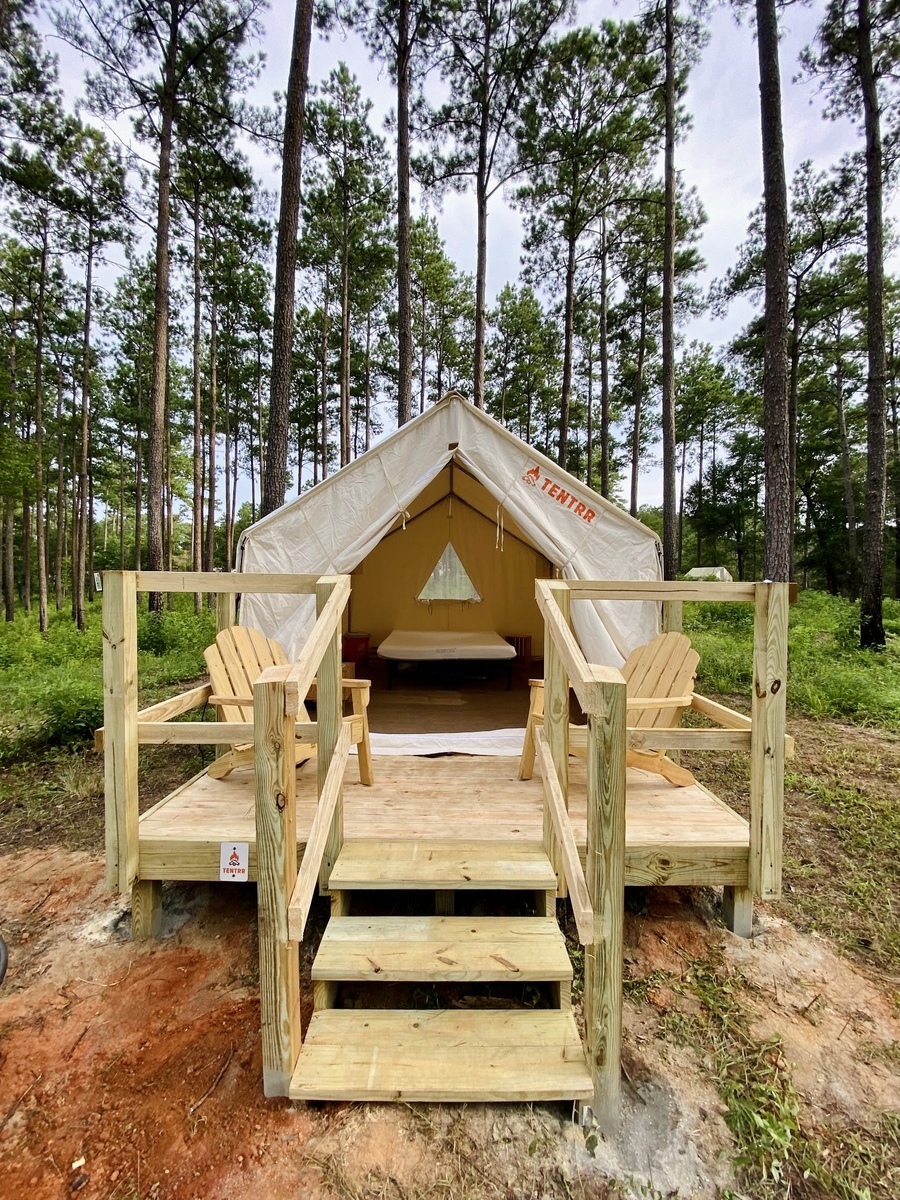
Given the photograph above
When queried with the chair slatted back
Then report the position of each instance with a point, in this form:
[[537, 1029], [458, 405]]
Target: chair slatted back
[[664, 668], [235, 662]]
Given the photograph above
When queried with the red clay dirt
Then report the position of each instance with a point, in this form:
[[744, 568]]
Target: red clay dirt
[[132, 1070]]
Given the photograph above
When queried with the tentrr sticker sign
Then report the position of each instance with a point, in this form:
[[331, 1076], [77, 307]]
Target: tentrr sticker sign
[[234, 862]]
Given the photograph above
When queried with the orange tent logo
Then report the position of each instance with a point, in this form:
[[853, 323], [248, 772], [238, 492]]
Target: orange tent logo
[[555, 491]]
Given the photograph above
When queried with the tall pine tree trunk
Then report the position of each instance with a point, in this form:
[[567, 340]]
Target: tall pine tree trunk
[[156, 425], [139, 457], [568, 340], [779, 519], [39, 429], [368, 380], [895, 430], [212, 434], [404, 314], [197, 497], [871, 631], [847, 474], [61, 499], [604, 362], [274, 482], [344, 430], [638, 406], [481, 202], [670, 553], [9, 528], [78, 566]]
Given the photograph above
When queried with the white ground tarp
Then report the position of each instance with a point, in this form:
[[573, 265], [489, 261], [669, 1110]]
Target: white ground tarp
[[334, 526], [490, 743]]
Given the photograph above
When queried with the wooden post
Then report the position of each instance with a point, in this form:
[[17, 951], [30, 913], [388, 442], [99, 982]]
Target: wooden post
[[226, 608], [556, 716], [146, 909], [673, 622], [329, 710], [737, 909], [120, 708], [672, 616], [768, 709], [276, 859], [605, 877]]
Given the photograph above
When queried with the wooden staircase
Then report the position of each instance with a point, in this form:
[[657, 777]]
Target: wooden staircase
[[435, 1054]]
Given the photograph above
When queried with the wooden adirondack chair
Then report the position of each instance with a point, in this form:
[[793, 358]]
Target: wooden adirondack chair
[[659, 677], [235, 662]]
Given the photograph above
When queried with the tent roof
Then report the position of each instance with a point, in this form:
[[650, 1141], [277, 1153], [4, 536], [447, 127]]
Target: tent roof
[[335, 525], [412, 431]]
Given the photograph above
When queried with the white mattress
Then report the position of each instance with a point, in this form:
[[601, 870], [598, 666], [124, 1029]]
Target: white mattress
[[414, 645]]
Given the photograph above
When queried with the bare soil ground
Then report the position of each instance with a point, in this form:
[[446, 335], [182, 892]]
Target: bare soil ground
[[133, 1070]]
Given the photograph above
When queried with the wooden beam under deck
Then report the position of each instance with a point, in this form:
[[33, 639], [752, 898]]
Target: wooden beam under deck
[[674, 836]]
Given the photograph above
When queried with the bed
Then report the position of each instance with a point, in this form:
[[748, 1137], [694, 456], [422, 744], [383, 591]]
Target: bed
[[450, 646]]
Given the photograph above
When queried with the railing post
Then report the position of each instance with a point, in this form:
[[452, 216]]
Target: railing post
[[226, 610], [276, 859], [329, 714], [556, 718], [120, 708], [768, 710], [672, 616], [605, 877]]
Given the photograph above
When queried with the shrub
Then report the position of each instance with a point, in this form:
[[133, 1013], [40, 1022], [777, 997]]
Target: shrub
[[828, 675], [71, 712]]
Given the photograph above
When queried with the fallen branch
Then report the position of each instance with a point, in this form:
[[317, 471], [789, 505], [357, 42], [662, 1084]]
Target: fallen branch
[[215, 1083], [12, 1111]]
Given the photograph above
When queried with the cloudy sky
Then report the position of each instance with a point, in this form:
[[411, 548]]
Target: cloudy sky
[[720, 155]]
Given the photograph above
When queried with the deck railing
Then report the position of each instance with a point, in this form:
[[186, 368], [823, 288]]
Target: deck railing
[[284, 894], [125, 727], [597, 894]]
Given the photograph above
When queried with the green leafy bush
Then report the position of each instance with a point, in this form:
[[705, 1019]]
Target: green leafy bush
[[828, 675], [51, 685], [71, 712]]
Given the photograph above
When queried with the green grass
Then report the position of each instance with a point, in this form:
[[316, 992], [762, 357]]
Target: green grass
[[51, 685], [777, 1156], [828, 675]]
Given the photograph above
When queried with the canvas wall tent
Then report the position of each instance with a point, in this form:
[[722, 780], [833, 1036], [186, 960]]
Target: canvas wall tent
[[454, 475]]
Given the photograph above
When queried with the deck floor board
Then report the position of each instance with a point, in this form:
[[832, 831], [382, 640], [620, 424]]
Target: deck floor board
[[673, 835]]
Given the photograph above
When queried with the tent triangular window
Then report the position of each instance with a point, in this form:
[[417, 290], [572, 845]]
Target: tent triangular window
[[448, 580]]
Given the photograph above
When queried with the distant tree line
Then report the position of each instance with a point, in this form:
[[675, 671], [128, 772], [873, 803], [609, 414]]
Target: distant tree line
[[146, 386]]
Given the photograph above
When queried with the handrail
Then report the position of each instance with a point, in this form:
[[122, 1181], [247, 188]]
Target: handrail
[[210, 733], [173, 707], [584, 677], [298, 677], [677, 590], [555, 809], [597, 894], [308, 874], [221, 582], [284, 893]]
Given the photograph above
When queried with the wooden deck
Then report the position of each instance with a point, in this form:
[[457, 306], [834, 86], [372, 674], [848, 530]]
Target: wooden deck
[[674, 836]]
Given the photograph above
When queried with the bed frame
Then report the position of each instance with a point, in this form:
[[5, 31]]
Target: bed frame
[[439, 654]]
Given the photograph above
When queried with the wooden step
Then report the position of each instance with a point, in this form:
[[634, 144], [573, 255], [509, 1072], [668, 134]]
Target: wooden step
[[448, 866], [443, 948], [454, 1055]]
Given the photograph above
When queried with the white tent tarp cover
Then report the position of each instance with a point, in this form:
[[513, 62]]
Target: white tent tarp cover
[[334, 526]]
